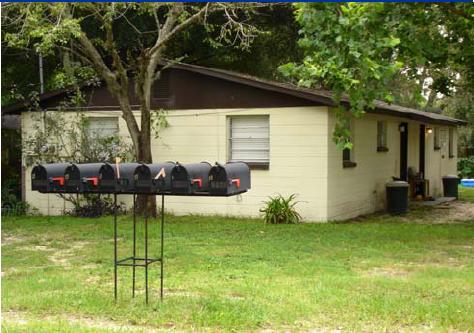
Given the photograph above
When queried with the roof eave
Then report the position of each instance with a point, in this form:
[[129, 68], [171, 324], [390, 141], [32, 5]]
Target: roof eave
[[418, 117]]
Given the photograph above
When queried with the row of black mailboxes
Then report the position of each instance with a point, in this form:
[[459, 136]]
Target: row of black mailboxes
[[160, 178]]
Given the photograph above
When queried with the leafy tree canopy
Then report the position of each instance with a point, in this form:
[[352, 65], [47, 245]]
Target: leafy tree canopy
[[274, 45], [369, 51]]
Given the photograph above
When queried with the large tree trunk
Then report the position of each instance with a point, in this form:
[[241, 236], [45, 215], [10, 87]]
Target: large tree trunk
[[116, 76], [145, 203]]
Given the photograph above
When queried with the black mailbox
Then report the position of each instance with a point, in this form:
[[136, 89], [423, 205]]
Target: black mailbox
[[121, 180], [107, 180], [153, 178], [190, 178], [48, 177], [82, 177], [228, 179]]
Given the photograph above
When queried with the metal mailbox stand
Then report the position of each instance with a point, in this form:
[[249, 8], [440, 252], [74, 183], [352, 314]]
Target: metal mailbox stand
[[92, 172], [135, 261]]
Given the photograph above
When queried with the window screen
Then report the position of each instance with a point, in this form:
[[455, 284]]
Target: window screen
[[250, 139], [102, 127]]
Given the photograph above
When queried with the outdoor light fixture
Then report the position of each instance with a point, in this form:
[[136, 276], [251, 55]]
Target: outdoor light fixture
[[401, 128], [429, 130]]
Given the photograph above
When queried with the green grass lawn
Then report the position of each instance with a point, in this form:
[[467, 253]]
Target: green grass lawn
[[377, 274], [466, 193]]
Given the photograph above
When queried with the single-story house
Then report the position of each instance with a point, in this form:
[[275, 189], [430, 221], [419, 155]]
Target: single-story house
[[284, 132]]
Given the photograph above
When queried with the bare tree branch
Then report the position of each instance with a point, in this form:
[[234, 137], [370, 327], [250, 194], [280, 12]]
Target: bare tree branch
[[168, 32]]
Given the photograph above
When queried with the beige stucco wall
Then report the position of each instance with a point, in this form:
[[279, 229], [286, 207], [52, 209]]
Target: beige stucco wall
[[297, 147], [438, 162], [361, 190], [303, 160], [298, 155]]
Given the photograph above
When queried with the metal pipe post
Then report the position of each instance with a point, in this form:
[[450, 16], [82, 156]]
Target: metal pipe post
[[146, 253], [115, 246], [162, 244], [134, 244]]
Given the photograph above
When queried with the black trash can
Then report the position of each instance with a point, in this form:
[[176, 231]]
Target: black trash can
[[450, 186], [397, 197]]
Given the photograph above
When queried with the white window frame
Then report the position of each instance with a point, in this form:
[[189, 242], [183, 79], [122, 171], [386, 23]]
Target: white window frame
[[263, 140]]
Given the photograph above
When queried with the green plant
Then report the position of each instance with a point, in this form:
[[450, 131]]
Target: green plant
[[466, 167], [281, 210], [11, 202], [94, 205], [59, 137]]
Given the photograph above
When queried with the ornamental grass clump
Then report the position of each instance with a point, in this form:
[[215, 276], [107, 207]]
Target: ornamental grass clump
[[281, 210]]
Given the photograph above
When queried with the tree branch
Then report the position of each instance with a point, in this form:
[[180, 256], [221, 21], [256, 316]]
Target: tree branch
[[115, 88], [452, 8], [168, 32]]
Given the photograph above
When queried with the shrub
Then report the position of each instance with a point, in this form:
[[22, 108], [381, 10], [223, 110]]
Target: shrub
[[15, 208], [466, 167], [95, 205], [11, 202], [280, 210]]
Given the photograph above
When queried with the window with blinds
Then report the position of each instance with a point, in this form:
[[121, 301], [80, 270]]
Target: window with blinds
[[102, 127], [249, 140]]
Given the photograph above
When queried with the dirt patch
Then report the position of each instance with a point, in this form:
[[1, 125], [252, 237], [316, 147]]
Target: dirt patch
[[9, 271], [402, 270], [456, 211], [440, 261], [299, 328], [21, 318], [387, 271], [14, 317], [93, 280], [11, 239], [236, 296], [62, 257], [59, 257], [467, 247], [89, 266], [448, 212], [180, 293], [42, 248]]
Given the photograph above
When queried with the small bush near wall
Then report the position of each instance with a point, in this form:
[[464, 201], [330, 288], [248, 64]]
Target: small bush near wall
[[95, 205], [281, 210], [11, 202], [466, 167]]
